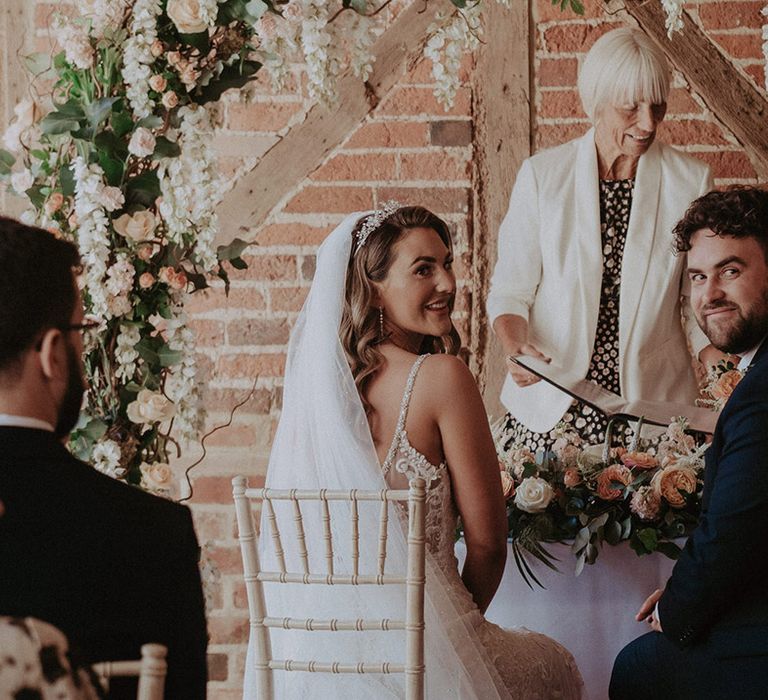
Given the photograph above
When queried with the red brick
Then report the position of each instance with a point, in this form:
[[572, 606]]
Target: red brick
[[261, 116], [259, 365], [680, 101], [315, 199], [687, 131], [227, 560], [740, 45], [262, 85], [434, 166], [212, 525], [228, 630], [217, 693], [240, 596], [293, 234], [260, 402], [559, 104], [440, 200], [258, 331], [268, 267], [410, 100], [728, 164], [757, 72], [390, 135], [371, 166], [287, 298], [557, 72], [218, 489], [731, 15], [450, 132], [218, 667], [575, 38], [549, 135], [207, 332], [232, 436], [213, 299], [546, 11]]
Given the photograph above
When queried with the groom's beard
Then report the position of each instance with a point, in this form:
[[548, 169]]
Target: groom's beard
[[72, 401], [744, 331]]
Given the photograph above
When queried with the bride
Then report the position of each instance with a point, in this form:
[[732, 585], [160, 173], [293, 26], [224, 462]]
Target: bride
[[375, 396]]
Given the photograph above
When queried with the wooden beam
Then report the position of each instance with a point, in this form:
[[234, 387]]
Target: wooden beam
[[732, 98], [307, 144], [502, 140]]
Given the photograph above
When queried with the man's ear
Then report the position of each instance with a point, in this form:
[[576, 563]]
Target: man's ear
[[53, 354]]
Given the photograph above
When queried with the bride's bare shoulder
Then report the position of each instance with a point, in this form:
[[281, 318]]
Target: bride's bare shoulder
[[448, 372]]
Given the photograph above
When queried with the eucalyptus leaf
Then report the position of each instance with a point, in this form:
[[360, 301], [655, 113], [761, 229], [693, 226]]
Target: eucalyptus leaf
[[150, 122], [98, 111], [581, 540], [649, 538], [58, 123], [612, 532], [579, 564]]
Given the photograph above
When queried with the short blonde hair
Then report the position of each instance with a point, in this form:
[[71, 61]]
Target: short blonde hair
[[623, 67]]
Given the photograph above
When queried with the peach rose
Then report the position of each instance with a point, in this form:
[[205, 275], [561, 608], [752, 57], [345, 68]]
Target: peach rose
[[157, 48], [641, 460], [671, 483], [605, 479], [725, 384], [507, 484], [54, 202], [158, 83], [572, 477], [517, 458], [155, 477], [170, 99], [138, 227], [175, 280], [146, 280], [145, 251], [645, 503]]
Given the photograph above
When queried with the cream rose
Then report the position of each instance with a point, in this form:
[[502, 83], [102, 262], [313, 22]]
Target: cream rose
[[533, 495], [150, 407], [155, 477], [606, 478], [146, 280], [645, 503], [142, 143], [672, 482], [138, 227], [186, 15], [170, 99], [158, 83], [517, 458], [112, 198]]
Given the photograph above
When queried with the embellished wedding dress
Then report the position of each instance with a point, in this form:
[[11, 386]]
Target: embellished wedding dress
[[323, 440], [530, 666]]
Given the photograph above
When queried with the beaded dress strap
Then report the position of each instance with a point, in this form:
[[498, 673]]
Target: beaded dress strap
[[403, 413]]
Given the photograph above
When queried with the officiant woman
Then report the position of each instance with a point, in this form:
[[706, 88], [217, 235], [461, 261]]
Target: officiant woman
[[585, 277]]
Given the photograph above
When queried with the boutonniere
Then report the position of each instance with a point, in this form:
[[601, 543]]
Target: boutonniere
[[721, 380]]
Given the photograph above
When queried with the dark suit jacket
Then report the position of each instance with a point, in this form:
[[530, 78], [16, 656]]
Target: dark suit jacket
[[110, 565], [718, 591]]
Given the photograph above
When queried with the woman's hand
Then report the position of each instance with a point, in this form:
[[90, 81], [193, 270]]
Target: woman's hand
[[512, 332]]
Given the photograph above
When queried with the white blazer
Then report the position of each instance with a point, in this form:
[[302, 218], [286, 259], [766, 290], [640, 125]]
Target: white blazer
[[550, 266]]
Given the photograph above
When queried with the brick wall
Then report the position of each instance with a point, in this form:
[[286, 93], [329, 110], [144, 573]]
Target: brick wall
[[409, 149]]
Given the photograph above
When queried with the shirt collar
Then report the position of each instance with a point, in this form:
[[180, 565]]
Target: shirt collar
[[747, 357], [8, 420]]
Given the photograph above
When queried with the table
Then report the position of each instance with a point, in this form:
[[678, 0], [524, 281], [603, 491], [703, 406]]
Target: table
[[592, 615]]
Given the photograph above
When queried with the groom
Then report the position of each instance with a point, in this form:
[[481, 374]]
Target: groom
[[109, 565], [710, 623]]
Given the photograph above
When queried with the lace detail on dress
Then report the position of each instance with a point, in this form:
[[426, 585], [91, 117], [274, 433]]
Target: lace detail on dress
[[528, 665]]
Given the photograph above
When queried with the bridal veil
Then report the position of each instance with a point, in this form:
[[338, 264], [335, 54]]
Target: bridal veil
[[323, 441]]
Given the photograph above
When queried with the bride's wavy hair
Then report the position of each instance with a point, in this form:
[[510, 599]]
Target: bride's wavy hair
[[359, 330]]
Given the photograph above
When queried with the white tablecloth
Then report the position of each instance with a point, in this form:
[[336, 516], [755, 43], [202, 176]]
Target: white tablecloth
[[592, 615]]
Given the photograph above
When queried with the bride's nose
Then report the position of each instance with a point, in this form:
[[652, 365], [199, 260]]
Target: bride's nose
[[445, 281]]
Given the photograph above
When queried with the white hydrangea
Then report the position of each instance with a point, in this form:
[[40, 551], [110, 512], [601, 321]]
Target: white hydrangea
[[92, 233], [181, 386], [277, 40], [106, 458], [321, 50], [73, 37], [362, 37], [674, 21], [125, 351], [446, 46], [119, 284], [191, 186], [138, 57], [104, 15]]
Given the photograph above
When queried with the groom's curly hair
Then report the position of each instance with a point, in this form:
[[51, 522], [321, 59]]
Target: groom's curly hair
[[359, 329]]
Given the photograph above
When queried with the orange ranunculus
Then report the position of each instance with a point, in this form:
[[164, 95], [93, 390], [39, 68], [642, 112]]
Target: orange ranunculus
[[672, 482], [615, 473], [725, 384], [641, 460]]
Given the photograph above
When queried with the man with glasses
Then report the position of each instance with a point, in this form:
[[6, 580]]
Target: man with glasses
[[111, 566]]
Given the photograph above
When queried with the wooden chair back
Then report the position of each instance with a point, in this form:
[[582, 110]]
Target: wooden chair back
[[151, 670]]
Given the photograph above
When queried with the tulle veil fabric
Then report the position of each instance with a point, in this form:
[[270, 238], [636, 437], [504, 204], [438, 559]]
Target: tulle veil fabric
[[323, 441]]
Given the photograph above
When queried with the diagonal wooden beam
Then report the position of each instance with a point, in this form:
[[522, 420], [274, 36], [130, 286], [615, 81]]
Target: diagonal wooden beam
[[732, 98], [305, 146]]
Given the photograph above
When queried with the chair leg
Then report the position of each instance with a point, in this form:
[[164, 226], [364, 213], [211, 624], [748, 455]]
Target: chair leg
[[153, 671]]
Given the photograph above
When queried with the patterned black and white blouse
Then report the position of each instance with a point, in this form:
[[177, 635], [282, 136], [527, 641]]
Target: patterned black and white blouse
[[615, 206]]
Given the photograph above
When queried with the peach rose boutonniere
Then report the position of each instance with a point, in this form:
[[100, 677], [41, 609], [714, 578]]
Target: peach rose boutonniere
[[722, 379]]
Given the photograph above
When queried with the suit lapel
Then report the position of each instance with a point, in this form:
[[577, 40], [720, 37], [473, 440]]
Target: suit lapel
[[587, 232], [638, 248]]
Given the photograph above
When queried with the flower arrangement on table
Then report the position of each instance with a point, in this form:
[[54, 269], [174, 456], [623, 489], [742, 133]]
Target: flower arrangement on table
[[595, 495]]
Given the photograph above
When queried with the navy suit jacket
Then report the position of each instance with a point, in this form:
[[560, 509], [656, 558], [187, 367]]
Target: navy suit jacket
[[110, 565], [718, 591]]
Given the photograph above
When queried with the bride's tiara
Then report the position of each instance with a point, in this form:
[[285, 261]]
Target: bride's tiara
[[374, 220]]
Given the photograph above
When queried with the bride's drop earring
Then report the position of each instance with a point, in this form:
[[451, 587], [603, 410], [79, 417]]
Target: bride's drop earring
[[381, 323]]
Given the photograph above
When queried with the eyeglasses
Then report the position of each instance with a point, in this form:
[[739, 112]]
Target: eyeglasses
[[89, 328]]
